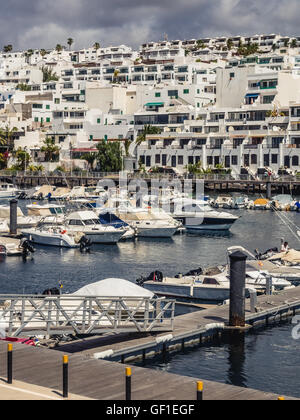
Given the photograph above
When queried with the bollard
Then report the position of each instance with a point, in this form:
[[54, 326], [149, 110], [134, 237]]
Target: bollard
[[13, 217], [9, 362], [253, 300], [199, 391], [65, 376], [269, 285], [268, 190], [128, 383], [280, 398], [237, 289]]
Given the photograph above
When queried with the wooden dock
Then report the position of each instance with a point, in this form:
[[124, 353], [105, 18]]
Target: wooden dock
[[96, 378], [104, 380], [189, 329]]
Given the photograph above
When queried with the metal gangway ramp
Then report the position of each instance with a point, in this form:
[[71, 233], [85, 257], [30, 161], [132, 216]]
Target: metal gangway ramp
[[30, 315]]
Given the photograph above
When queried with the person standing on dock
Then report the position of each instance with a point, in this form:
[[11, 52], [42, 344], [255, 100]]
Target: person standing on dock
[[284, 247]]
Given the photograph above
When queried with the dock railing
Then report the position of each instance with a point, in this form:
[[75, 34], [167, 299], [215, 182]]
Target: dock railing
[[70, 314]]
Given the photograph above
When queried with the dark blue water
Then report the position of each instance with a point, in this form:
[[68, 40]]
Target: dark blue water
[[266, 359]]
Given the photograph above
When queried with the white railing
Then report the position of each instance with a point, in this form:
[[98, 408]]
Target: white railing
[[66, 314]]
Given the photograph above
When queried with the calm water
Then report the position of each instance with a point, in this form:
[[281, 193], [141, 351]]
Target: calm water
[[267, 359]]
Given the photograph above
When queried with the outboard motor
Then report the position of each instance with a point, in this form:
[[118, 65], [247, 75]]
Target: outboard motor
[[27, 248], [40, 196], [85, 244], [51, 292], [154, 276]]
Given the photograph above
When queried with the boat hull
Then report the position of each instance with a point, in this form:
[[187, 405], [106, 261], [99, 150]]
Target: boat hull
[[203, 292], [206, 223], [167, 232], [59, 240]]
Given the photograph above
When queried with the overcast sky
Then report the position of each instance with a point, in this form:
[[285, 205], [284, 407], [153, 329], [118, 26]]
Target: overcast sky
[[44, 23]]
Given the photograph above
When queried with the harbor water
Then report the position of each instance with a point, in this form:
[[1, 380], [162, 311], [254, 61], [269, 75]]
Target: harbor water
[[268, 359]]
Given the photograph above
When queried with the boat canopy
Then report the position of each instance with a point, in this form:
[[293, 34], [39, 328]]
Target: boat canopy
[[113, 287], [291, 256], [109, 218], [261, 202]]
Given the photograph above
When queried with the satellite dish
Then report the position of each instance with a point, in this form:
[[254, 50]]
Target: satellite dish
[[231, 129], [166, 129]]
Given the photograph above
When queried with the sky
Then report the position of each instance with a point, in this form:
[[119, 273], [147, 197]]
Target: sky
[[44, 23]]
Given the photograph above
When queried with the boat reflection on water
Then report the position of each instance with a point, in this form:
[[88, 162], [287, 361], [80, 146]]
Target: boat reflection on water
[[210, 233]]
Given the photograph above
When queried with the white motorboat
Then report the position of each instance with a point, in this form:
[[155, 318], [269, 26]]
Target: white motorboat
[[87, 222], [47, 213], [222, 201], [282, 202], [258, 270], [108, 218], [53, 236], [197, 215], [150, 223], [8, 191]]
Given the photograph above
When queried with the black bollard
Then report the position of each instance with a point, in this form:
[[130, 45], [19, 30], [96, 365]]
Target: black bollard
[[9, 363], [65, 376], [128, 384], [237, 289], [13, 217], [268, 190]]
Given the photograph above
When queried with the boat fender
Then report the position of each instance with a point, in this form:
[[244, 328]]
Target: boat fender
[[214, 326], [63, 232], [103, 354], [164, 338]]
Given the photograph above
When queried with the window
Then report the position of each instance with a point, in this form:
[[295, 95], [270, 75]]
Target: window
[[295, 161], [191, 160], [56, 100], [36, 119], [37, 106], [164, 160], [173, 93], [91, 137], [274, 158], [47, 106], [148, 160], [98, 120], [157, 158], [231, 75], [47, 119], [253, 159], [209, 160], [180, 160], [186, 91], [157, 94], [234, 160]]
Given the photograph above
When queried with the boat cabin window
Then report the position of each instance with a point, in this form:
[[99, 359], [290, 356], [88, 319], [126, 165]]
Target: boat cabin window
[[209, 280], [56, 210], [74, 222]]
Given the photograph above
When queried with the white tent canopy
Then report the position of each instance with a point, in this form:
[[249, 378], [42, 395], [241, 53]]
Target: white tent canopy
[[113, 287]]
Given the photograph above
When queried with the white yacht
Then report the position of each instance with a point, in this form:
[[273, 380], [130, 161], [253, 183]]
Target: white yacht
[[197, 215], [147, 223], [88, 223], [53, 236], [8, 191], [49, 213]]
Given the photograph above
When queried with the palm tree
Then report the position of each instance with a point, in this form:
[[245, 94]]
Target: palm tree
[[51, 150], [48, 74], [7, 48], [28, 54], [58, 48], [7, 137], [148, 129], [70, 42], [43, 52], [90, 158], [127, 144], [96, 46]]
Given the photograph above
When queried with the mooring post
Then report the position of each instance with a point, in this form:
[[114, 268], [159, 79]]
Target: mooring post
[[268, 190], [269, 284], [65, 376], [9, 363], [253, 300], [237, 289], [13, 217], [128, 384]]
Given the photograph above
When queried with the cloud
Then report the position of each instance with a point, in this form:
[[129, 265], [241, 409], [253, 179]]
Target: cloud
[[44, 23]]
